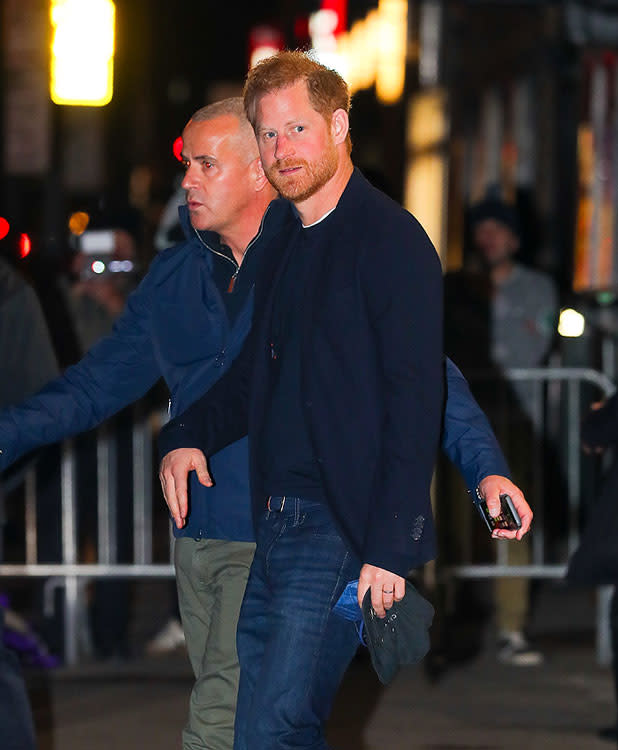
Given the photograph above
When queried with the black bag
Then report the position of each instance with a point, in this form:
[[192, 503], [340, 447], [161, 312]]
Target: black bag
[[595, 561]]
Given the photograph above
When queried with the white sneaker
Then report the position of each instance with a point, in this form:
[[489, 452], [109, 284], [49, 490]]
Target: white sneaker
[[169, 638], [513, 648]]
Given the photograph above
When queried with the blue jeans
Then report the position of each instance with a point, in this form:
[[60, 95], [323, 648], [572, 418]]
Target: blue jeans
[[293, 650]]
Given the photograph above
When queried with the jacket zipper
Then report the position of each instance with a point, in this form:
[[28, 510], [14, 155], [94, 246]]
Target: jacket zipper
[[230, 287], [231, 260]]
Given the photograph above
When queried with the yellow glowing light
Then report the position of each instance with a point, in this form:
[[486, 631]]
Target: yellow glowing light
[[571, 323], [427, 125], [78, 222], [82, 52], [360, 53], [427, 168], [372, 52], [424, 191], [392, 42]]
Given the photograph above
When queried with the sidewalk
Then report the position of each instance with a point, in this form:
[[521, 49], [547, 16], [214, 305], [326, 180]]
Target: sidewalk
[[480, 704]]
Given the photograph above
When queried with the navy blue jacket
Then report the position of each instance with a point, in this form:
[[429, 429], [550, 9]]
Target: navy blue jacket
[[174, 326], [372, 376]]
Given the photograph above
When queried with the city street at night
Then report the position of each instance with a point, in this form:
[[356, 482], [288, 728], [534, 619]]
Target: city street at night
[[302, 302]]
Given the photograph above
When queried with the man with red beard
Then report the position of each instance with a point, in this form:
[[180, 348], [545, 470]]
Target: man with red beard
[[340, 387]]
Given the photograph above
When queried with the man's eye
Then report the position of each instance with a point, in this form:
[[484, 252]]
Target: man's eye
[[185, 164], [268, 135], [299, 128], [207, 164]]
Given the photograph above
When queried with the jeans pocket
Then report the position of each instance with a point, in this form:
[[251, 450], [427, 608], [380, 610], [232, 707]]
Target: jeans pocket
[[347, 604]]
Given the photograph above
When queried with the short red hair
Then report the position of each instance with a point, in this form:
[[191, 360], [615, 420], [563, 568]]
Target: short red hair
[[327, 90]]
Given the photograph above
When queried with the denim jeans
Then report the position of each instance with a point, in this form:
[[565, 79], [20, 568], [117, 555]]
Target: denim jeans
[[293, 650]]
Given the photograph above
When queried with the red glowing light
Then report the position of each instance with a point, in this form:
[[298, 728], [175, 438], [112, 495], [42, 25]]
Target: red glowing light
[[341, 9], [264, 40], [25, 245], [4, 227], [177, 148], [301, 27]]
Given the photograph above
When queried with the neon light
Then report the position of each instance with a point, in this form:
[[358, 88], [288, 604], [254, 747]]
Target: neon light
[[82, 52], [373, 52], [25, 245], [177, 148]]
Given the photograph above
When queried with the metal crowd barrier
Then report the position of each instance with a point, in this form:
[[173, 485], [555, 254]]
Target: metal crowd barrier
[[69, 573], [557, 412]]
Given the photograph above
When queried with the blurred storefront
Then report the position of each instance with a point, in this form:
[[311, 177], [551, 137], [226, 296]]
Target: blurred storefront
[[495, 75], [452, 98], [520, 99]]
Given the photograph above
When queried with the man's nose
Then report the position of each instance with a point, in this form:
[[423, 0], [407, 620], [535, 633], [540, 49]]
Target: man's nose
[[189, 179], [283, 147]]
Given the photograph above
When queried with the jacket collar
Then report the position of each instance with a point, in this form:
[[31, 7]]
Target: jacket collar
[[275, 216], [208, 238]]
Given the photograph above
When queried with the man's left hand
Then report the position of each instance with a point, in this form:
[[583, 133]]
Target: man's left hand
[[490, 489], [386, 587]]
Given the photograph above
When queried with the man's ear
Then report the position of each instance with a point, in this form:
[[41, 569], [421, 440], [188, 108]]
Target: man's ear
[[259, 175], [340, 125]]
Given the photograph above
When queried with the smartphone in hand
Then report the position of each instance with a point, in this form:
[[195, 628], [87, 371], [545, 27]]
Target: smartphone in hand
[[508, 519]]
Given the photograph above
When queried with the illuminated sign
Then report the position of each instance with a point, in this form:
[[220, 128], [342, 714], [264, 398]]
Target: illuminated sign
[[372, 53], [82, 52]]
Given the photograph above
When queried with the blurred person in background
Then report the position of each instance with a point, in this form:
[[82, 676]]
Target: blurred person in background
[[500, 314], [595, 561], [169, 230], [97, 299], [94, 300], [185, 323], [28, 358], [28, 361]]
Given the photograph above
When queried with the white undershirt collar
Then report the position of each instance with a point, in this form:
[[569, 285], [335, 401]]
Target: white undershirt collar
[[307, 226]]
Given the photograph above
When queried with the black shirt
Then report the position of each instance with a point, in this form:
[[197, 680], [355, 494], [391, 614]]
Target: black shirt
[[288, 463]]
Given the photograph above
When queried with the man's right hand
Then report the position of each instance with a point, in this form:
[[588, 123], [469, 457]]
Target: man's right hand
[[174, 476]]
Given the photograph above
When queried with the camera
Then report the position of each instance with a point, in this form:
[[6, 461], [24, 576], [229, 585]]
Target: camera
[[99, 248]]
